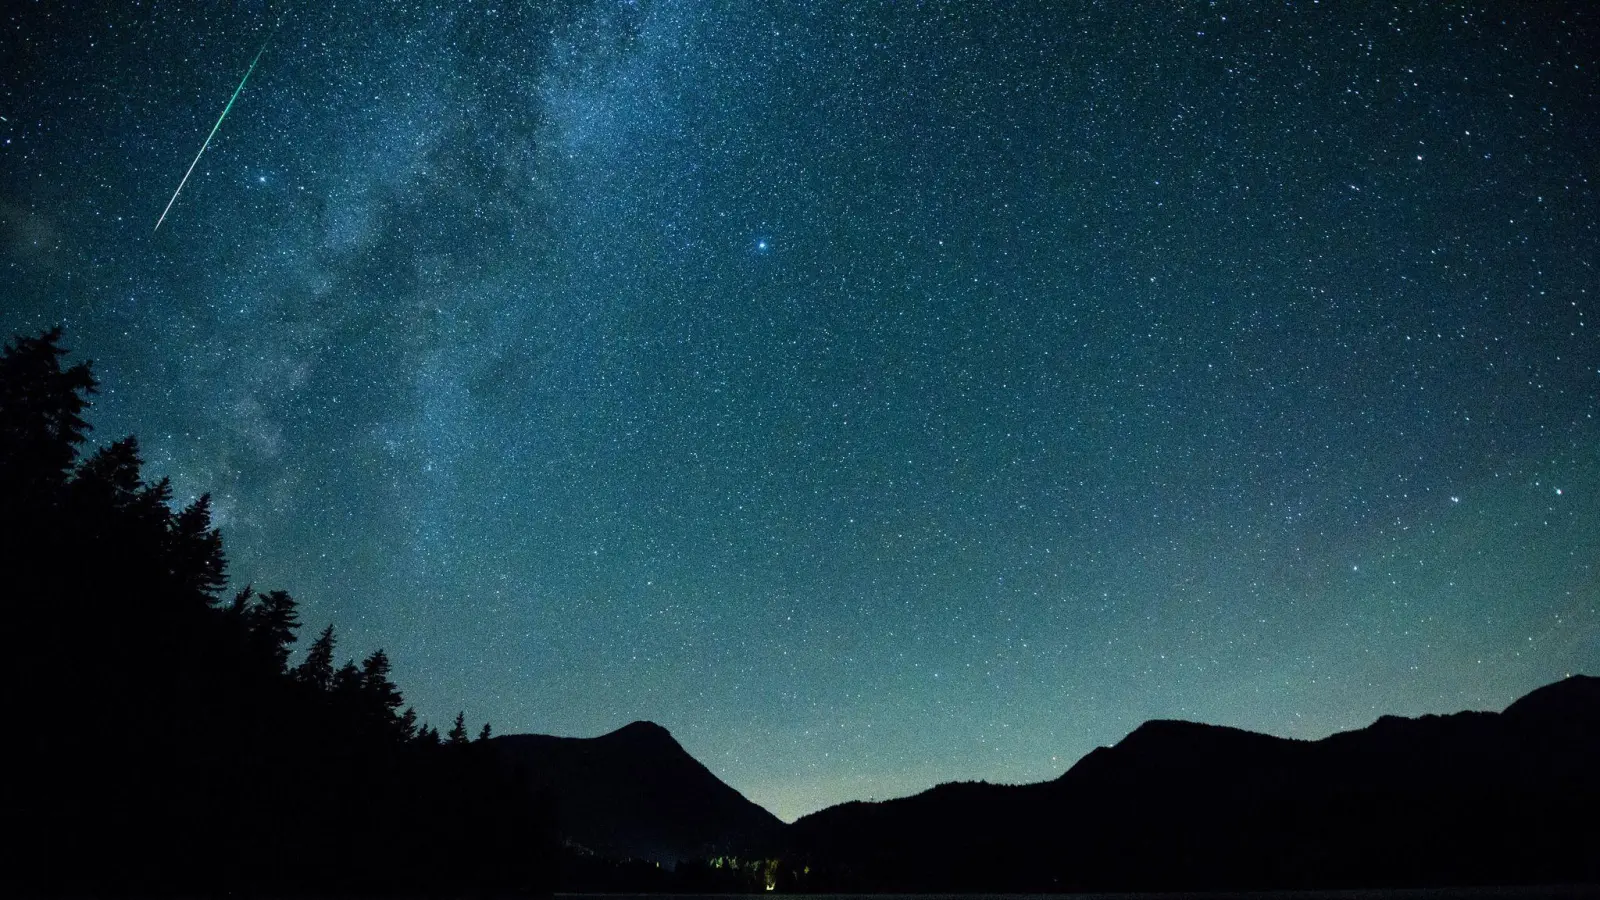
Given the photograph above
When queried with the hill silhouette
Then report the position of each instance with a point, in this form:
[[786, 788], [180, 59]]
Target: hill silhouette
[[636, 793], [1469, 798]]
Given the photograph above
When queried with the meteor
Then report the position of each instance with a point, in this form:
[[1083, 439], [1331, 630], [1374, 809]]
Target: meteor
[[212, 134]]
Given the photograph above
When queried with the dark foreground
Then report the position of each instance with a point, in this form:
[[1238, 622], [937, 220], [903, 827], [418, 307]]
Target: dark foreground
[[1552, 892]]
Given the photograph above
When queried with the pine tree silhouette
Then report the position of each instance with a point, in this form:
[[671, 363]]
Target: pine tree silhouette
[[272, 622], [381, 700], [41, 416], [198, 567], [316, 670]]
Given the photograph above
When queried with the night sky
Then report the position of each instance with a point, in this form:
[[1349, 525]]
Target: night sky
[[874, 394]]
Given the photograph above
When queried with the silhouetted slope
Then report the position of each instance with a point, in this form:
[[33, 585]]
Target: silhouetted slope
[[1573, 702], [637, 793], [160, 742], [1466, 798]]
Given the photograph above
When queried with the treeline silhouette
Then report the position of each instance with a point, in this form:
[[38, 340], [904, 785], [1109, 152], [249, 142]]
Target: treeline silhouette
[[161, 741]]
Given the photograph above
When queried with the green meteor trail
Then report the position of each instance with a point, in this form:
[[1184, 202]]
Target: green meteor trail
[[212, 134]]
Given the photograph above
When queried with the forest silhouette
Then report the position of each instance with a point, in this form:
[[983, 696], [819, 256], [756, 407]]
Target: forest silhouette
[[163, 742]]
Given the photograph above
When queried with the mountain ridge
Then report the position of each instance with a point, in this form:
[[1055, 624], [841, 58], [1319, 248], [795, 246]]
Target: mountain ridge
[[1462, 798], [1459, 798]]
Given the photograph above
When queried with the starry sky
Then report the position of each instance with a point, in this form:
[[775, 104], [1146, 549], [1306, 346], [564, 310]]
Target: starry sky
[[873, 393]]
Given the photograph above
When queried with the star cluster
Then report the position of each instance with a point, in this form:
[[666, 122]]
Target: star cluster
[[874, 394]]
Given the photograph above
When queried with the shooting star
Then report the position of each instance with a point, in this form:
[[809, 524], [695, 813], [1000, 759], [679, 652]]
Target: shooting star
[[213, 133]]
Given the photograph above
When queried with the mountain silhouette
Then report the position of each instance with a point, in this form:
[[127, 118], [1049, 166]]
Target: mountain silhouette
[[636, 793], [1469, 798], [1439, 800]]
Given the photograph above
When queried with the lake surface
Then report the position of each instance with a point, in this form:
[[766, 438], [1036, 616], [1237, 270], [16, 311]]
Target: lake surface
[[1554, 892]]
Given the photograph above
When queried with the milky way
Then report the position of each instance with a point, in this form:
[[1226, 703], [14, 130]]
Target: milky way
[[874, 394]]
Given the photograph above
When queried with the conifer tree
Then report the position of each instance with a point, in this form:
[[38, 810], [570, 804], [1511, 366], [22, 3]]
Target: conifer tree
[[484, 734], [195, 554], [347, 681], [41, 416], [375, 683], [110, 476], [239, 606], [458, 731], [380, 699], [316, 669], [273, 621]]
